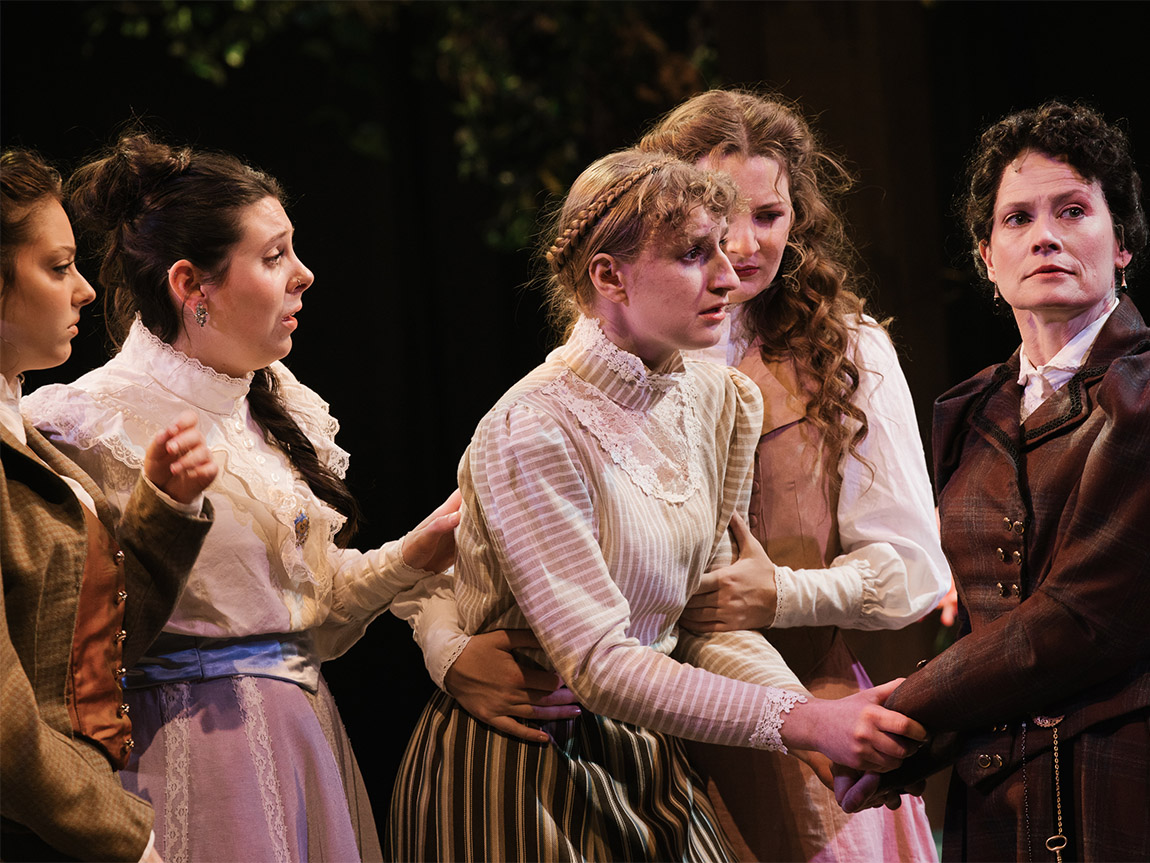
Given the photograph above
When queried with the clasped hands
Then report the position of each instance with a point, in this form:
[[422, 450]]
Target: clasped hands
[[742, 595], [495, 686]]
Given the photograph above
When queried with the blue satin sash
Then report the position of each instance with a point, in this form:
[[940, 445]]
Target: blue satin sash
[[182, 658]]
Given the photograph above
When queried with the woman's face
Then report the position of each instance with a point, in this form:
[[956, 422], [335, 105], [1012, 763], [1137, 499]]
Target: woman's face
[[40, 309], [1052, 250], [251, 312], [673, 296], [757, 238]]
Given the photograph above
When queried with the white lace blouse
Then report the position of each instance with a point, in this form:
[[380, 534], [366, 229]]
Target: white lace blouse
[[596, 492], [269, 564]]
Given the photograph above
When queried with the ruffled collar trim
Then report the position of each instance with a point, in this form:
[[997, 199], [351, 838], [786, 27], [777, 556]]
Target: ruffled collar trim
[[620, 375], [184, 376]]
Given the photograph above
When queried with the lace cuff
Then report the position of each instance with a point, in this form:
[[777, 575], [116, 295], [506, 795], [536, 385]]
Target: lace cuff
[[767, 733], [439, 674]]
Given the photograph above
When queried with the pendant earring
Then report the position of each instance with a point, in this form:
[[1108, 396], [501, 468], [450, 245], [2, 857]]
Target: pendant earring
[[1122, 280], [201, 314], [997, 298]]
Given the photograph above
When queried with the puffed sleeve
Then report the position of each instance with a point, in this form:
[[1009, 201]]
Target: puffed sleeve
[[527, 485], [892, 571]]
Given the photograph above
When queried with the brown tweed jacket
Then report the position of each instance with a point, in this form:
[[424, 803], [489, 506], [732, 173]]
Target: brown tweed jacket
[[60, 787], [1046, 528]]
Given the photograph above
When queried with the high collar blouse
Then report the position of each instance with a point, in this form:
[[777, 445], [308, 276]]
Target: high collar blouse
[[269, 564], [596, 493]]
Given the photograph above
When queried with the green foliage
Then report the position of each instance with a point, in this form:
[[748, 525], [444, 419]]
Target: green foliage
[[535, 90]]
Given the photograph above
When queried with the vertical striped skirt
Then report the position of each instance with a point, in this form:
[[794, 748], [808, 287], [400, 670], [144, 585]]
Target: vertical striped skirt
[[602, 790]]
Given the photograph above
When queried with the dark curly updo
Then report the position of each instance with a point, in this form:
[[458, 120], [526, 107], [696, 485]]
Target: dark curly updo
[[1075, 134]]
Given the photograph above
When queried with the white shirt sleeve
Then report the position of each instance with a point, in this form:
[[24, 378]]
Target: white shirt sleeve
[[892, 571], [430, 608], [364, 584]]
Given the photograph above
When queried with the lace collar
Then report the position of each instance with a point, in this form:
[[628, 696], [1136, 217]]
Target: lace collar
[[184, 376], [621, 376], [644, 420]]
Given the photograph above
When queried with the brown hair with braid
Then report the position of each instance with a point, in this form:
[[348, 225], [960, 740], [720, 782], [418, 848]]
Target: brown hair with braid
[[616, 206], [152, 205], [808, 313]]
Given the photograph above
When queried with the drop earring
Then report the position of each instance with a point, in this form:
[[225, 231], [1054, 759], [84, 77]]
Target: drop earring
[[201, 315], [1122, 280], [997, 299]]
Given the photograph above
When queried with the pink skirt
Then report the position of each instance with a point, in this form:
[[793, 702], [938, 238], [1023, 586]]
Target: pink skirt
[[774, 808], [248, 768]]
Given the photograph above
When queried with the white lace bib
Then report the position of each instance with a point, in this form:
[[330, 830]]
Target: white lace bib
[[645, 421]]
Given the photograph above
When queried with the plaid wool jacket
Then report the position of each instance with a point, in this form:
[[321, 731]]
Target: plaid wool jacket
[[1045, 526]]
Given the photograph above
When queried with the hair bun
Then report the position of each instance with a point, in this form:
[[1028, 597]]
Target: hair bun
[[112, 190]]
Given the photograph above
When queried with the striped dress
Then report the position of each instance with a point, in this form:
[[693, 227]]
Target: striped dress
[[596, 492]]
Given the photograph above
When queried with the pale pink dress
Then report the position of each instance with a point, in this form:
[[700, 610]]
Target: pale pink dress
[[772, 806]]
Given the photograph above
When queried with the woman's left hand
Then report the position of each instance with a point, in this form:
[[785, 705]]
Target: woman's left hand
[[738, 596], [178, 461], [855, 731], [431, 544]]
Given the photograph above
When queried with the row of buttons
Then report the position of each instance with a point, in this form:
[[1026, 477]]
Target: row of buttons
[[1014, 557], [121, 711]]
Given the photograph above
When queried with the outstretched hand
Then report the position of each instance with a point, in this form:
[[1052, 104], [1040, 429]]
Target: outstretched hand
[[856, 731], [430, 544], [178, 461], [740, 595], [492, 685]]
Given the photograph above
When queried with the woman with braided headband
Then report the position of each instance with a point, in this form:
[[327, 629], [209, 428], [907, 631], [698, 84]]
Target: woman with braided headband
[[596, 492]]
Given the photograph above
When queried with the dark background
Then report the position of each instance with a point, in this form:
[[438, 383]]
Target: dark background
[[417, 141]]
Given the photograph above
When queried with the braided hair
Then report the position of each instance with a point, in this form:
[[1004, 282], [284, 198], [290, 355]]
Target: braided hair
[[616, 206], [808, 314], [151, 204]]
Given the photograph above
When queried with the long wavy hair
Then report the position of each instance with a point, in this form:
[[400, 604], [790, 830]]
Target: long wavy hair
[[808, 313]]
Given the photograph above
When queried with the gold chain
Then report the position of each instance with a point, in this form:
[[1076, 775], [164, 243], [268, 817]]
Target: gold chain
[[1058, 841]]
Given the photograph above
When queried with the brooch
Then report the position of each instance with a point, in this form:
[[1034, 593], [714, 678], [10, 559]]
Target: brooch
[[302, 524]]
